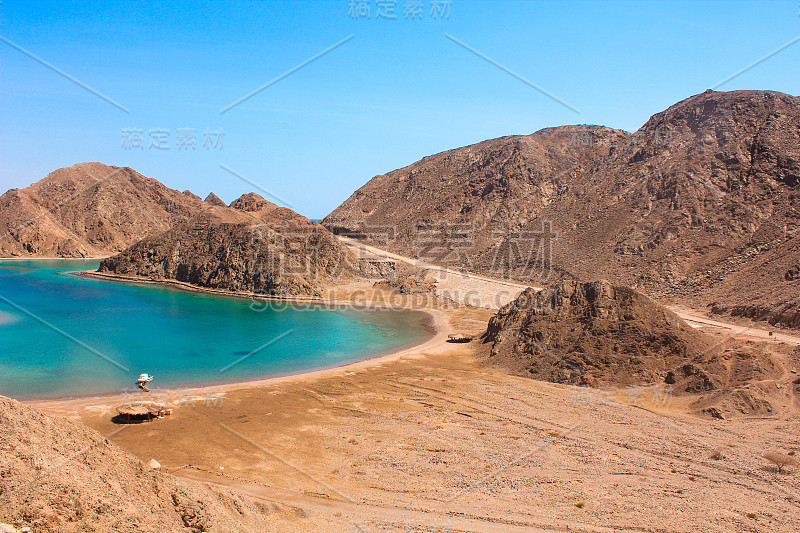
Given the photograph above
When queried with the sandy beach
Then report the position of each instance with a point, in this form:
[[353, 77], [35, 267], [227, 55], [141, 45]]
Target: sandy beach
[[429, 438]]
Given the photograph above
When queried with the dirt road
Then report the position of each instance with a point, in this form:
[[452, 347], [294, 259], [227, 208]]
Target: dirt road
[[488, 293]]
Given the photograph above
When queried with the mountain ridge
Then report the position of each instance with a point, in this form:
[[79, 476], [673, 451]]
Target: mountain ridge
[[674, 209], [88, 210]]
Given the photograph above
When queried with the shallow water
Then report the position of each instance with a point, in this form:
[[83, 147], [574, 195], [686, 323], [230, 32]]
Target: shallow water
[[64, 335]]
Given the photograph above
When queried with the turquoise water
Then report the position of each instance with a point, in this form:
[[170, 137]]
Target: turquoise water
[[63, 335]]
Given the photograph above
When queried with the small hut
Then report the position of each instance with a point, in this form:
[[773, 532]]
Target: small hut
[[140, 411], [458, 337]]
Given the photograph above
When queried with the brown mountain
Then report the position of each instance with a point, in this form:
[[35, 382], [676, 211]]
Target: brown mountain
[[59, 476], [213, 199], [699, 205], [253, 246], [89, 209], [190, 194], [600, 335]]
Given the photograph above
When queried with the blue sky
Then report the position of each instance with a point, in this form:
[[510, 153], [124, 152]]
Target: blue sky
[[396, 91]]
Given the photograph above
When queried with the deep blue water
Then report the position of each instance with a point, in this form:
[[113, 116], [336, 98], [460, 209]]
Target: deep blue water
[[64, 335]]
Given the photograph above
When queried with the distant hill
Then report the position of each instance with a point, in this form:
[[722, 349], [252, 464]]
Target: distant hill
[[89, 210], [700, 205], [157, 233]]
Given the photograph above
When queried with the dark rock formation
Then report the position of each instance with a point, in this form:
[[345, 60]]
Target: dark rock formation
[[600, 335], [595, 334], [255, 247]]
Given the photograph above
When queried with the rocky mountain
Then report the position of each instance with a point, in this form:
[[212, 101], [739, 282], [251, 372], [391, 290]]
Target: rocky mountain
[[59, 476], [92, 210], [192, 195], [600, 335], [253, 246], [213, 199], [89, 210], [592, 334], [699, 205]]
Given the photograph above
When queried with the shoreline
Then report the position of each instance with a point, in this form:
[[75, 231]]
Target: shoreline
[[380, 299], [192, 288], [440, 325]]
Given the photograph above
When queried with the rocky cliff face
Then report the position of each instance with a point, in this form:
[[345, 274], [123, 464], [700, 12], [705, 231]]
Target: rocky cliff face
[[90, 209], [700, 205], [469, 198], [254, 246], [61, 477]]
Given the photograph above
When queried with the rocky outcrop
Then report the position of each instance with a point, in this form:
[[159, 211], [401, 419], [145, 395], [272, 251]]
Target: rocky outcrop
[[192, 195], [59, 476], [89, 209], [601, 335], [700, 205], [252, 203], [252, 247], [595, 334]]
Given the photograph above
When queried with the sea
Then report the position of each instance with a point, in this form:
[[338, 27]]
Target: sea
[[63, 335]]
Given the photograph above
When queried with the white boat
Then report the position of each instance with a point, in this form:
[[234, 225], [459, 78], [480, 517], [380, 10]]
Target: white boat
[[144, 379]]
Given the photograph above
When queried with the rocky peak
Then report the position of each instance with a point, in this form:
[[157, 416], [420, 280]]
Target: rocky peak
[[214, 200], [190, 194], [88, 209], [252, 202]]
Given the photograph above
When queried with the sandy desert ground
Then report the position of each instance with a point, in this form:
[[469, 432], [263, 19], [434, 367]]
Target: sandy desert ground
[[430, 440]]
